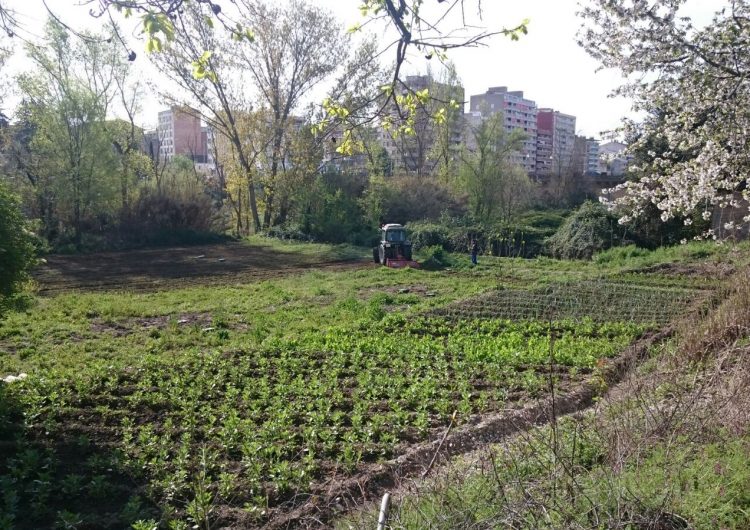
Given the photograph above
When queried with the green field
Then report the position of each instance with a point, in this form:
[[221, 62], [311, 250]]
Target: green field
[[238, 403]]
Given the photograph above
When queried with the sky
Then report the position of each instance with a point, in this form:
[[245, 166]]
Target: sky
[[547, 64]]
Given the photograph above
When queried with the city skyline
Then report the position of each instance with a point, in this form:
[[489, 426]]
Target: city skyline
[[547, 64]]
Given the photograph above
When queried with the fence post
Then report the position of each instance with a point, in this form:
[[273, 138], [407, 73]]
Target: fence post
[[384, 507]]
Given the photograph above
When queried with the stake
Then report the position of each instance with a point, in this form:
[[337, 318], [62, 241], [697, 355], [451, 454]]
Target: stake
[[440, 445], [384, 507]]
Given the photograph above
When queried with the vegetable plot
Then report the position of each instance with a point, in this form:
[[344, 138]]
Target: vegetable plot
[[598, 300], [263, 429]]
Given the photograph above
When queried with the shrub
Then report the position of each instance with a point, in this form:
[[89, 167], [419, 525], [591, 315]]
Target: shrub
[[524, 238], [426, 234], [166, 219], [649, 231], [590, 229], [434, 258], [330, 212], [17, 245], [408, 198], [288, 232]]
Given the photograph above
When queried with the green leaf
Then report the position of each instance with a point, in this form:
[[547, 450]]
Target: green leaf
[[153, 44]]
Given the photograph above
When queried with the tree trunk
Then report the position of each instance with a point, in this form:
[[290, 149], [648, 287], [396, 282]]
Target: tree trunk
[[267, 215], [252, 201]]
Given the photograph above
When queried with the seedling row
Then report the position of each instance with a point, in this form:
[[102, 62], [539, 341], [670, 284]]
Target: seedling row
[[600, 301], [263, 428]]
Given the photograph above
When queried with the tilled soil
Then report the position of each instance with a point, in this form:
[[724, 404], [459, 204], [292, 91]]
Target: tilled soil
[[166, 268]]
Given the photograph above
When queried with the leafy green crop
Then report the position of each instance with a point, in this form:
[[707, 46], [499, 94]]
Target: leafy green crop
[[172, 405]]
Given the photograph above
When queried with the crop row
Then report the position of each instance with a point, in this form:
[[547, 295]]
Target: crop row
[[600, 301], [266, 425]]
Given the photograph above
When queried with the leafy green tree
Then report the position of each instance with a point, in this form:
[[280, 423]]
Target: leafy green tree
[[17, 244], [496, 188], [447, 100], [66, 100], [294, 48]]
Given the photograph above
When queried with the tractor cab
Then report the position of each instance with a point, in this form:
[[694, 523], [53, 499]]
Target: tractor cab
[[394, 249], [393, 233]]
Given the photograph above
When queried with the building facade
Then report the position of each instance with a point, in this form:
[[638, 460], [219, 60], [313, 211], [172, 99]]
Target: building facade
[[519, 114], [592, 157], [180, 133], [613, 160], [555, 142], [417, 152]]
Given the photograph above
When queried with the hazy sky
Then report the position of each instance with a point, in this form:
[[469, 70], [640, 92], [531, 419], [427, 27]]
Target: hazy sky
[[546, 64]]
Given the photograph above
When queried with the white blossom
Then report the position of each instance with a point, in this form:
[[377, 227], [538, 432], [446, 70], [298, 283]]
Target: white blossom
[[694, 85]]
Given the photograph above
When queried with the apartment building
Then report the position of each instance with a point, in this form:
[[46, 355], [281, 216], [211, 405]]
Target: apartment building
[[613, 160], [519, 113], [180, 133], [415, 153], [555, 142], [591, 166]]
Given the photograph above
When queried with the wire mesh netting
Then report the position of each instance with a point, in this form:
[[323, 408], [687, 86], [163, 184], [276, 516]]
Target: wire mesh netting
[[599, 300]]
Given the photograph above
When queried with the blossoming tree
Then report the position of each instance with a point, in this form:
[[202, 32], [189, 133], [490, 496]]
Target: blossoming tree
[[693, 83]]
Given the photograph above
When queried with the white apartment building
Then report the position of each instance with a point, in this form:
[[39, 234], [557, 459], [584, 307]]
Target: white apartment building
[[519, 113]]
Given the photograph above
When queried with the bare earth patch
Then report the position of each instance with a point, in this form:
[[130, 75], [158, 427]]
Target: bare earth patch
[[127, 326], [167, 268]]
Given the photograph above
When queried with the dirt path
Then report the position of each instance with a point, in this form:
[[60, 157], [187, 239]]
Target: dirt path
[[166, 268]]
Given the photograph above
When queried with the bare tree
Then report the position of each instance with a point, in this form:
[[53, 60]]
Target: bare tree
[[295, 48], [219, 92]]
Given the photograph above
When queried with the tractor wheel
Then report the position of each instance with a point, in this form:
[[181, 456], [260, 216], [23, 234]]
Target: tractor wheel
[[381, 255], [407, 253], [375, 256]]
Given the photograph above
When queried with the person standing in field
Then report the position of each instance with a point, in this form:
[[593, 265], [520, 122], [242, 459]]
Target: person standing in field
[[474, 249]]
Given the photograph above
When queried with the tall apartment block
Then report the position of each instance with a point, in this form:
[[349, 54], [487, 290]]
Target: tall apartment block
[[555, 142], [519, 113], [415, 153], [591, 166], [179, 133]]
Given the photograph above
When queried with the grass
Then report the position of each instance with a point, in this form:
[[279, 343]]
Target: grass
[[321, 251], [667, 449], [234, 403], [633, 257], [533, 482]]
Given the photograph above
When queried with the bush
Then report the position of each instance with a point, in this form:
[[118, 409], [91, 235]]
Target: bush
[[524, 238], [434, 258], [330, 212], [408, 198], [590, 229], [426, 234], [649, 231], [288, 233], [165, 219], [17, 245]]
